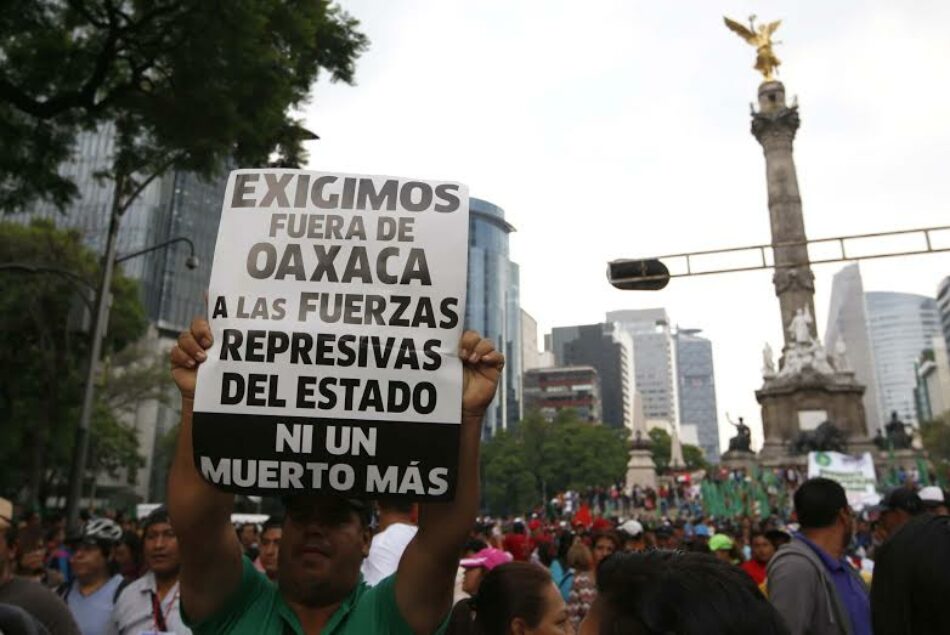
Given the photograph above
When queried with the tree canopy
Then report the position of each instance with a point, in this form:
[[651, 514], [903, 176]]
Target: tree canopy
[[187, 83], [523, 467], [43, 357], [661, 445]]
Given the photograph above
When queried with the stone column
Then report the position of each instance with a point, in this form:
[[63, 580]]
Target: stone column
[[774, 126]]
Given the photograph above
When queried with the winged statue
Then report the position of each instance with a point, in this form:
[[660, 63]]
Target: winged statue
[[761, 38]]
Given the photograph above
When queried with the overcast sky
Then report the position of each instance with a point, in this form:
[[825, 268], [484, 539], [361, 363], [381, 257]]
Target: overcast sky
[[621, 129]]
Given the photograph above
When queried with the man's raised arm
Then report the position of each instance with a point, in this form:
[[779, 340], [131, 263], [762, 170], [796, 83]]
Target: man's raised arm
[[426, 574], [201, 514]]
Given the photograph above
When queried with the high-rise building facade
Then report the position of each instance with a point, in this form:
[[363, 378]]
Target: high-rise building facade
[[551, 390], [943, 307], [494, 306], [696, 387], [609, 349], [654, 360], [901, 326], [848, 322]]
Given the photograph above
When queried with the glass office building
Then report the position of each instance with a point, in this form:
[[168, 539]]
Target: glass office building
[[697, 389], [901, 326], [494, 305]]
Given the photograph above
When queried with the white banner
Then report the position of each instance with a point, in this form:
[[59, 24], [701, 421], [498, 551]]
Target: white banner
[[855, 474]]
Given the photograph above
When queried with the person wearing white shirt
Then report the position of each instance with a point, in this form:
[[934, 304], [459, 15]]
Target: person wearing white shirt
[[151, 604], [397, 526]]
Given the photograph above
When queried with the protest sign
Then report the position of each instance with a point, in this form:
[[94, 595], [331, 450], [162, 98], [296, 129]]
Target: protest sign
[[336, 303], [854, 473]]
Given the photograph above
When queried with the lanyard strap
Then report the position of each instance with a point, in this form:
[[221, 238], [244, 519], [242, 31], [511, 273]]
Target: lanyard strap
[[157, 615]]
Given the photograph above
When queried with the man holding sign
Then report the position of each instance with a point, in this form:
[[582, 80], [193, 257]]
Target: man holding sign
[[325, 537], [333, 370]]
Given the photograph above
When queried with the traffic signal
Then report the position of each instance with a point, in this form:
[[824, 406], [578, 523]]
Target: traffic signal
[[638, 275]]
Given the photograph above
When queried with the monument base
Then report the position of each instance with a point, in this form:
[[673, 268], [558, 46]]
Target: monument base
[[641, 470], [738, 459], [800, 402]]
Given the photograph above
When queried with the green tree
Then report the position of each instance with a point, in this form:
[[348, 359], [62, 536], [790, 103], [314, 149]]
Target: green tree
[[188, 84], [522, 468], [44, 350], [935, 436], [661, 447]]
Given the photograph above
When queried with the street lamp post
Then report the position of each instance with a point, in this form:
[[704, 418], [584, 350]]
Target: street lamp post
[[99, 323]]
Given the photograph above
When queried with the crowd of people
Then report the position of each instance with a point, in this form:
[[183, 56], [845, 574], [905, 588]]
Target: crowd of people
[[340, 565], [827, 571]]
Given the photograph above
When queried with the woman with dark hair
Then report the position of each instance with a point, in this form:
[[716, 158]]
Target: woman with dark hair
[[519, 598], [912, 579], [667, 592], [584, 589]]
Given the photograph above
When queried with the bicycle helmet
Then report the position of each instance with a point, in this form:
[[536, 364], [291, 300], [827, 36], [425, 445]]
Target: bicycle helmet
[[102, 530]]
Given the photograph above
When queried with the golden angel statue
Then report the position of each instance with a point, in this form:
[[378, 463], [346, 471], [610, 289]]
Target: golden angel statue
[[761, 38]]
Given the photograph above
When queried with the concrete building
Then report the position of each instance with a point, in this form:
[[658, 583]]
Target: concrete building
[[696, 387], [494, 307], [531, 355], [654, 360], [943, 307], [550, 390], [847, 321], [933, 382], [609, 349], [901, 325]]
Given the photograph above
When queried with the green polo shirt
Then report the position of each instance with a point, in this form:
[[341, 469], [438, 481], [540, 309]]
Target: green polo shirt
[[258, 608]]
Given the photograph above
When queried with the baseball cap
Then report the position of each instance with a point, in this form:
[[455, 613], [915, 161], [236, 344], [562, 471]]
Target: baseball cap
[[720, 541], [329, 507], [664, 531], [632, 528], [901, 498], [932, 496], [701, 530], [488, 558]]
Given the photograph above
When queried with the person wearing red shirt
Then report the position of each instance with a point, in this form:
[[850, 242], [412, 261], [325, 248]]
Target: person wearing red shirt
[[762, 552], [518, 543]]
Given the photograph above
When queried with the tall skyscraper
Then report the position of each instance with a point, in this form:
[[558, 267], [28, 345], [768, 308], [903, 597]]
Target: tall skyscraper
[[943, 307], [494, 307], [696, 386], [847, 321], [609, 349], [654, 361], [901, 326]]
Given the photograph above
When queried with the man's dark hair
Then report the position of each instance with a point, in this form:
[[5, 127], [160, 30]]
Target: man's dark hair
[[272, 522], [510, 591], [683, 593], [818, 501], [911, 584], [158, 516]]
